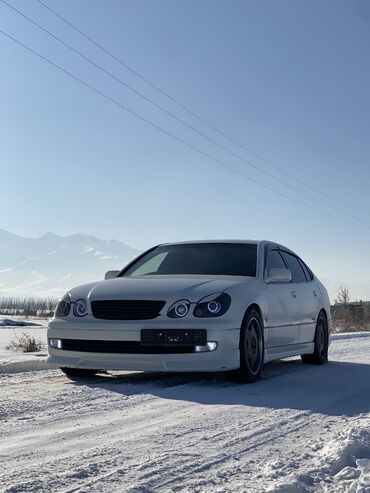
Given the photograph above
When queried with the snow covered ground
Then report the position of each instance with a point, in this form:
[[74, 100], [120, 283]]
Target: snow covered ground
[[301, 429], [10, 329]]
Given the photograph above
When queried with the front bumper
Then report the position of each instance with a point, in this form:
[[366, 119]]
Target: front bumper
[[225, 357]]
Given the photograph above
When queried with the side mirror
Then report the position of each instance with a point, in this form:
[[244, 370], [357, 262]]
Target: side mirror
[[111, 274], [277, 274]]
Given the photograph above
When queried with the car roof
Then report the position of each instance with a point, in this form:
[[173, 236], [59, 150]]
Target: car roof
[[248, 242]]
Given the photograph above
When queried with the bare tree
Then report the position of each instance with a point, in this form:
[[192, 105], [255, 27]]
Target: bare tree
[[343, 295]]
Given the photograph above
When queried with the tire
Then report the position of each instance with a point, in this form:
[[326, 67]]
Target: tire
[[79, 372], [321, 341], [252, 350]]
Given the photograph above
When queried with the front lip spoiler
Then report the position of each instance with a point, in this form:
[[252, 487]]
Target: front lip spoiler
[[213, 361]]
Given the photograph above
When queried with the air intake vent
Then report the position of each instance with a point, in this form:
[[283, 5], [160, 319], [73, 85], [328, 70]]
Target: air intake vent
[[126, 309], [121, 347]]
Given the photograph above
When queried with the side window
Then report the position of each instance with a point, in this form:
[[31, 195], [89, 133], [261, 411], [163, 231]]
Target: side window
[[274, 260], [294, 265], [307, 272]]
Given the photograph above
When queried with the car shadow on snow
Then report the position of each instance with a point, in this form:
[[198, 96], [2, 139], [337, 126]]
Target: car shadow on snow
[[335, 389]]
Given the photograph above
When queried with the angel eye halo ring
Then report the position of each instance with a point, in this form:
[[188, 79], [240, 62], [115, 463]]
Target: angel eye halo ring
[[179, 309], [80, 308]]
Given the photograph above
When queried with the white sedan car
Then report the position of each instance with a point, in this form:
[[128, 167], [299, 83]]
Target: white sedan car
[[196, 306]]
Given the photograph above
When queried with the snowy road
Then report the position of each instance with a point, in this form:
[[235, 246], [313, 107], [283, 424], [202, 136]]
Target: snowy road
[[298, 430]]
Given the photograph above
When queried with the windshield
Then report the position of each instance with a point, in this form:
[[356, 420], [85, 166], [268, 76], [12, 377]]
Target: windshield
[[222, 259]]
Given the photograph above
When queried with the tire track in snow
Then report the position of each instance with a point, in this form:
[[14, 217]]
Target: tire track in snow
[[142, 433]]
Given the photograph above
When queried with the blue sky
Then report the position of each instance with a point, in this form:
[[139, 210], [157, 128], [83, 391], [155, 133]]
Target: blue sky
[[289, 80]]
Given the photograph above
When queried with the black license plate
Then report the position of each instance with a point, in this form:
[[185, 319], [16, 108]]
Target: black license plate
[[174, 337]]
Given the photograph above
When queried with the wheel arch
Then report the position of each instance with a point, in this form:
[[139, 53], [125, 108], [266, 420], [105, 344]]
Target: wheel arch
[[251, 307], [323, 311], [328, 329]]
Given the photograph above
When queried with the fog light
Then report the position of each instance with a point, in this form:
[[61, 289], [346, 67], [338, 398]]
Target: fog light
[[55, 343], [211, 346]]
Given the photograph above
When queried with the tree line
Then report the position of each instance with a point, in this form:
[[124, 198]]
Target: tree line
[[36, 307]]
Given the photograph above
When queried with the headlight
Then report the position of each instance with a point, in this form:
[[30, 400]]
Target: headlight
[[79, 308], [63, 307], [212, 306], [179, 309]]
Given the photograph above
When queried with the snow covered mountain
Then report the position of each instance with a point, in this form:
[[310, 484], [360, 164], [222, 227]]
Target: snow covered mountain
[[51, 264]]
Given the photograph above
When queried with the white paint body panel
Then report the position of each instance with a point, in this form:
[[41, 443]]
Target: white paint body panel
[[283, 314]]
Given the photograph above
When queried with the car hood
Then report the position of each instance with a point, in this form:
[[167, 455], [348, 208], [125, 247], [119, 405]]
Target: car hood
[[168, 288]]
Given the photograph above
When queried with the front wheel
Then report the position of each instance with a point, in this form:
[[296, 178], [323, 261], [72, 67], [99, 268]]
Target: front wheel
[[321, 343], [79, 372], [251, 350]]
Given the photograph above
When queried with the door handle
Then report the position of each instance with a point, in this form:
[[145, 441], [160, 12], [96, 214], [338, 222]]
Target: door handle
[[315, 292], [294, 294]]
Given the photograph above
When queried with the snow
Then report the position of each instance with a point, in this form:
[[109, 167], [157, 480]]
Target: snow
[[301, 429], [349, 335], [338, 466], [7, 322], [14, 362]]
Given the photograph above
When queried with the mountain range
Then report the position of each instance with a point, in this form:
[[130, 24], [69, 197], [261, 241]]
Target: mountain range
[[51, 264]]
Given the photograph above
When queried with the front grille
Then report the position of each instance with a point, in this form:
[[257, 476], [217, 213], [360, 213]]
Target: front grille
[[126, 309], [121, 347]]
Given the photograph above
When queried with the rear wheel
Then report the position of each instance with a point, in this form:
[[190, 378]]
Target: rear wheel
[[251, 350], [79, 372], [321, 341]]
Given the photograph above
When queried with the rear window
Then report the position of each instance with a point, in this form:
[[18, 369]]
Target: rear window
[[223, 259]]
